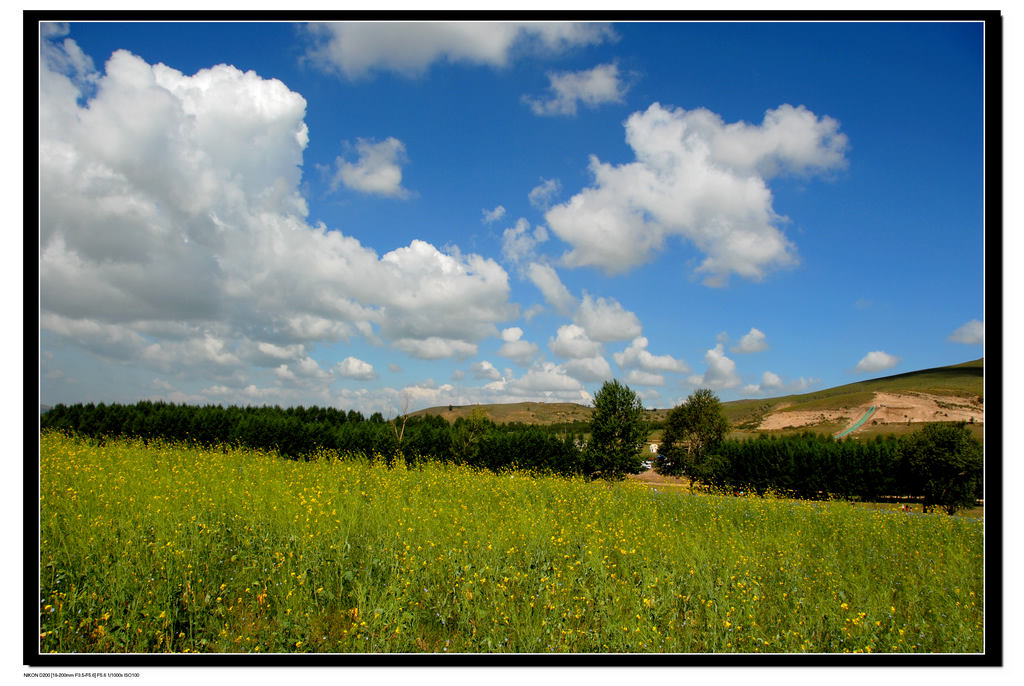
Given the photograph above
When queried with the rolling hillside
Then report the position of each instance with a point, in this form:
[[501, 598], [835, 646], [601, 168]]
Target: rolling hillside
[[952, 393], [527, 413], [961, 385]]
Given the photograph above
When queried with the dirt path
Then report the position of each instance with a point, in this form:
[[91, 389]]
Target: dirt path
[[652, 478]]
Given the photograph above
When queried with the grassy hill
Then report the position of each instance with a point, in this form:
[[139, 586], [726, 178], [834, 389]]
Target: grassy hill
[[966, 380], [527, 413]]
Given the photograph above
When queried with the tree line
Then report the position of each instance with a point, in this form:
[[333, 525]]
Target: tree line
[[299, 432], [941, 464]]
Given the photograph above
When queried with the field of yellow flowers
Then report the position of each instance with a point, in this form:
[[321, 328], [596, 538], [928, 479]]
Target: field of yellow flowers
[[169, 548]]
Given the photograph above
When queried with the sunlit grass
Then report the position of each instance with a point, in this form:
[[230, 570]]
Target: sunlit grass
[[170, 548]]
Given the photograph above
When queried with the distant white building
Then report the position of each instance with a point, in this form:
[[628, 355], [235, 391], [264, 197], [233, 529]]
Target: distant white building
[[654, 448]]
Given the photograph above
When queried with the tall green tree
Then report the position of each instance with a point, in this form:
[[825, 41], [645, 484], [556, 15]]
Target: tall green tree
[[692, 432], [618, 432], [944, 465], [467, 434]]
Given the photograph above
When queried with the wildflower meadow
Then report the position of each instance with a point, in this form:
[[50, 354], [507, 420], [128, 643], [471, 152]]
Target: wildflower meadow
[[164, 547]]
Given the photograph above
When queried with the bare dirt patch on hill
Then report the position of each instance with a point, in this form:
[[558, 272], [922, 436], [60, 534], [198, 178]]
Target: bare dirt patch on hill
[[893, 408], [921, 407]]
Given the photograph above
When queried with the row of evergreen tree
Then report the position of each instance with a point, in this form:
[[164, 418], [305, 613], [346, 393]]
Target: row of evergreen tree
[[806, 465], [941, 463], [297, 432]]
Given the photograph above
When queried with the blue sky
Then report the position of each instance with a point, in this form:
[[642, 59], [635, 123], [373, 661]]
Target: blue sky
[[385, 217]]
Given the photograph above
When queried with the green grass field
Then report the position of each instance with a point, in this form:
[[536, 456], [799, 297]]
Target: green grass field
[[176, 549]]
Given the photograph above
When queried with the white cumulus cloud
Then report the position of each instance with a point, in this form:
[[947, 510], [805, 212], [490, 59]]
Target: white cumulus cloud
[[357, 49], [485, 370], [572, 342], [436, 348], [378, 169], [545, 278], [65, 57], [605, 320], [642, 378], [877, 361], [971, 333], [515, 348], [720, 373], [637, 356], [494, 215], [590, 369], [771, 380], [275, 352], [772, 383], [753, 342], [590, 87], [354, 368], [519, 243], [511, 334], [308, 368], [542, 195], [697, 178], [173, 234], [547, 378]]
